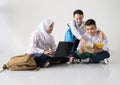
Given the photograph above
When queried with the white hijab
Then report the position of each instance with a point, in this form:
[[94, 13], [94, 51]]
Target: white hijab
[[42, 29]]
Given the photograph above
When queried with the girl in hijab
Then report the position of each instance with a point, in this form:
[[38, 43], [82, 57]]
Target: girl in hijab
[[43, 43]]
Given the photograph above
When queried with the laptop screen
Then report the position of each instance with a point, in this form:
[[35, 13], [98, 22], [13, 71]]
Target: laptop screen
[[63, 49]]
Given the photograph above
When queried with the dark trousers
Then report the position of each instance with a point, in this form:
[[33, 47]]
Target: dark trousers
[[100, 56], [41, 59], [96, 58], [75, 45]]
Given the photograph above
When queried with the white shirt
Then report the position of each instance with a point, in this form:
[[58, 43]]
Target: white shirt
[[79, 31], [38, 44], [94, 38], [41, 40]]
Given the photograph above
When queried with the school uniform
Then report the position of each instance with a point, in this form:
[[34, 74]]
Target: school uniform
[[41, 41], [77, 31], [96, 57]]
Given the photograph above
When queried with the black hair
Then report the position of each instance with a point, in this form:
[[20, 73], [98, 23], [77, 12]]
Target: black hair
[[90, 22], [78, 11]]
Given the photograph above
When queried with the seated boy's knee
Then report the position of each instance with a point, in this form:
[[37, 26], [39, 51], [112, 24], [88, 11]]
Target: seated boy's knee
[[107, 54]]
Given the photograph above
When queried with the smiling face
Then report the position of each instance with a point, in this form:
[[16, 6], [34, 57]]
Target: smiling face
[[78, 18], [91, 29], [50, 28]]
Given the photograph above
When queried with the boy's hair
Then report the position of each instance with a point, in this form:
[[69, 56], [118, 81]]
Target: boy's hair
[[78, 11], [90, 22]]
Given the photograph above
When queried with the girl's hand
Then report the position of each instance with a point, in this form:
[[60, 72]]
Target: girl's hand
[[48, 52]]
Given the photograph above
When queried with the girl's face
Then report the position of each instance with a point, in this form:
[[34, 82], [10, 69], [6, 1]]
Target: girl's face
[[91, 30], [50, 28], [78, 18]]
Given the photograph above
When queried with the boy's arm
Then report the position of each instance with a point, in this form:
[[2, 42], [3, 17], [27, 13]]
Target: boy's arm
[[101, 35], [74, 30]]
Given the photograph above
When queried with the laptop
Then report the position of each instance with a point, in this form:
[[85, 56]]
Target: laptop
[[63, 49]]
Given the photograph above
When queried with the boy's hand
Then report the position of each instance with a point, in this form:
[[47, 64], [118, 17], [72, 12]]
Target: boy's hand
[[81, 50], [101, 35], [83, 40], [89, 48]]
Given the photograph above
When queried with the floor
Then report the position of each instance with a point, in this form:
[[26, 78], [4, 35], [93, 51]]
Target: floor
[[66, 74], [18, 18]]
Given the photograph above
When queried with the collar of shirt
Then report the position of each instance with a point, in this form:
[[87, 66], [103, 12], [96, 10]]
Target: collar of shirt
[[90, 37], [81, 26]]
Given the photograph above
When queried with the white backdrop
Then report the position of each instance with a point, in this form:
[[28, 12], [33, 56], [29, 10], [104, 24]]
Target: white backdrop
[[18, 18]]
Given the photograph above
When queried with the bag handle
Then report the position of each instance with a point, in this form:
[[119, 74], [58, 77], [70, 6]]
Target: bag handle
[[4, 67]]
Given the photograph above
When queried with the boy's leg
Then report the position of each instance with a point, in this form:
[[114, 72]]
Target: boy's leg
[[83, 55], [100, 56], [73, 57], [75, 45], [76, 55]]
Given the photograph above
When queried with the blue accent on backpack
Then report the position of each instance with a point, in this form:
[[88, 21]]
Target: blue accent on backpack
[[69, 37]]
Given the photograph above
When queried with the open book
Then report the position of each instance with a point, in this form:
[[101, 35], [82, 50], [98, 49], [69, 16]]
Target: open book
[[88, 47]]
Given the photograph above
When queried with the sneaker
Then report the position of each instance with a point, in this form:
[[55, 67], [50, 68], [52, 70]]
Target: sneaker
[[106, 61], [47, 64], [79, 60], [76, 60], [70, 60], [90, 60]]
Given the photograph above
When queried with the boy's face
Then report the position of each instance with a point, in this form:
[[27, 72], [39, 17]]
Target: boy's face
[[78, 18], [91, 30]]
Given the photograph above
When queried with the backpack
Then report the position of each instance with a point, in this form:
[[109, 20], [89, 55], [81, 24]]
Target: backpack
[[69, 37], [21, 62]]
